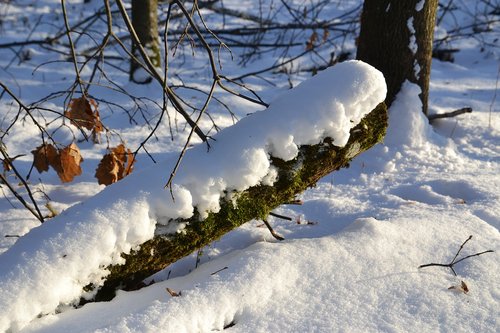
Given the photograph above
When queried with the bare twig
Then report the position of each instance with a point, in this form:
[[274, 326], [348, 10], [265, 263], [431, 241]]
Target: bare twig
[[72, 48], [454, 261], [219, 270], [275, 66], [271, 230], [235, 13], [35, 211], [283, 217], [23, 107], [156, 75], [186, 144], [455, 113]]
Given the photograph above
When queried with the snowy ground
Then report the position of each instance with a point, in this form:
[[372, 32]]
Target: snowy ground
[[410, 201]]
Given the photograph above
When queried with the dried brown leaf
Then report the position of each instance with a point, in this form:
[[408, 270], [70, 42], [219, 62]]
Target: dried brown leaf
[[70, 160], [115, 165], [98, 127], [130, 163], [312, 40], [121, 155], [80, 113], [326, 34], [126, 158], [107, 170], [83, 112], [44, 156], [173, 293], [463, 288]]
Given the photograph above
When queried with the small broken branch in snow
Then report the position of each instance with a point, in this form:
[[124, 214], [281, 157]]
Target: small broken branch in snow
[[295, 176], [455, 113], [454, 261], [219, 270], [283, 217], [271, 230], [174, 293]]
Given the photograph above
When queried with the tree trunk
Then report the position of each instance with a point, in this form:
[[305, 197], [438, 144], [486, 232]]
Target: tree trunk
[[396, 38], [145, 23], [312, 163]]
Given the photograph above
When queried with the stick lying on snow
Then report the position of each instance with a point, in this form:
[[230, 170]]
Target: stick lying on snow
[[134, 228]]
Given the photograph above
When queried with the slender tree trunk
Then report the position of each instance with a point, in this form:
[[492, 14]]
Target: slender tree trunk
[[396, 38], [145, 23]]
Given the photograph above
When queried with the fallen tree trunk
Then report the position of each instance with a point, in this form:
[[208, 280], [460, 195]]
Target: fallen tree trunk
[[312, 163]]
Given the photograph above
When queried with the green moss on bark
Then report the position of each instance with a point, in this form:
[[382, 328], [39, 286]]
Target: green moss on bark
[[312, 163]]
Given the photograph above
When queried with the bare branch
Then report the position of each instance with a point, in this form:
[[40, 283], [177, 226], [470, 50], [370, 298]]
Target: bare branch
[[156, 75], [454, 261], [455, 113], [35, 211]]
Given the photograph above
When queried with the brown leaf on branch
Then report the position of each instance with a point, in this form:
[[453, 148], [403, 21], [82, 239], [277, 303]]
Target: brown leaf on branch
[[107, 170], [126, 158], [326, 34], [70, 160], [312, 40], [83, 112], [44, 156], [115, 165]]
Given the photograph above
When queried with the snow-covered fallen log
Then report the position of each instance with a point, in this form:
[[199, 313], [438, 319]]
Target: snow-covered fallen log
[[293, 177], [134, 228]]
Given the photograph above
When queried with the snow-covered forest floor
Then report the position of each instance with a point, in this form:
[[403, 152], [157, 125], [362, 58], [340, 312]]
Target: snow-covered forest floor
[[349, 262]]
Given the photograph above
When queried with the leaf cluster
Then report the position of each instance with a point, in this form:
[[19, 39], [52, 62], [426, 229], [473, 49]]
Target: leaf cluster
[[83, 112], [66, 161]]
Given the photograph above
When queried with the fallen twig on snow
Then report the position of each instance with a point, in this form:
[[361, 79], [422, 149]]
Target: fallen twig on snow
[[271, 230], [454, 261], [451, 114]]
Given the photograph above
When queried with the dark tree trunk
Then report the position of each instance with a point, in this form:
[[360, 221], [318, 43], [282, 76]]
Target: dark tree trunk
[[385, 40], [294, 177], [145, 23]]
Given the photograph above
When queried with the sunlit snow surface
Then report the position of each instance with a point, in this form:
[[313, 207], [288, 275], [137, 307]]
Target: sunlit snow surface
[[410, 201]]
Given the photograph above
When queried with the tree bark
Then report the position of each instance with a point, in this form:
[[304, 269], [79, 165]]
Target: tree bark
[[145, 23], [385, 42], [294, 177]]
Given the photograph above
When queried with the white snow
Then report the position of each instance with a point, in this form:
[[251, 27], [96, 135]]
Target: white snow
[[351, 255], [420, 5], [403, 119], [368, 282], [413, 46], [51, 264]]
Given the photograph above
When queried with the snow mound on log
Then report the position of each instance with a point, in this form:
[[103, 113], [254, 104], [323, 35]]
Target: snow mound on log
[[52, 263], [327, 105]]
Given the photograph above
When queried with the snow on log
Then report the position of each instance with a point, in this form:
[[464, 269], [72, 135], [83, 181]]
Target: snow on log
[[134, 228]]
